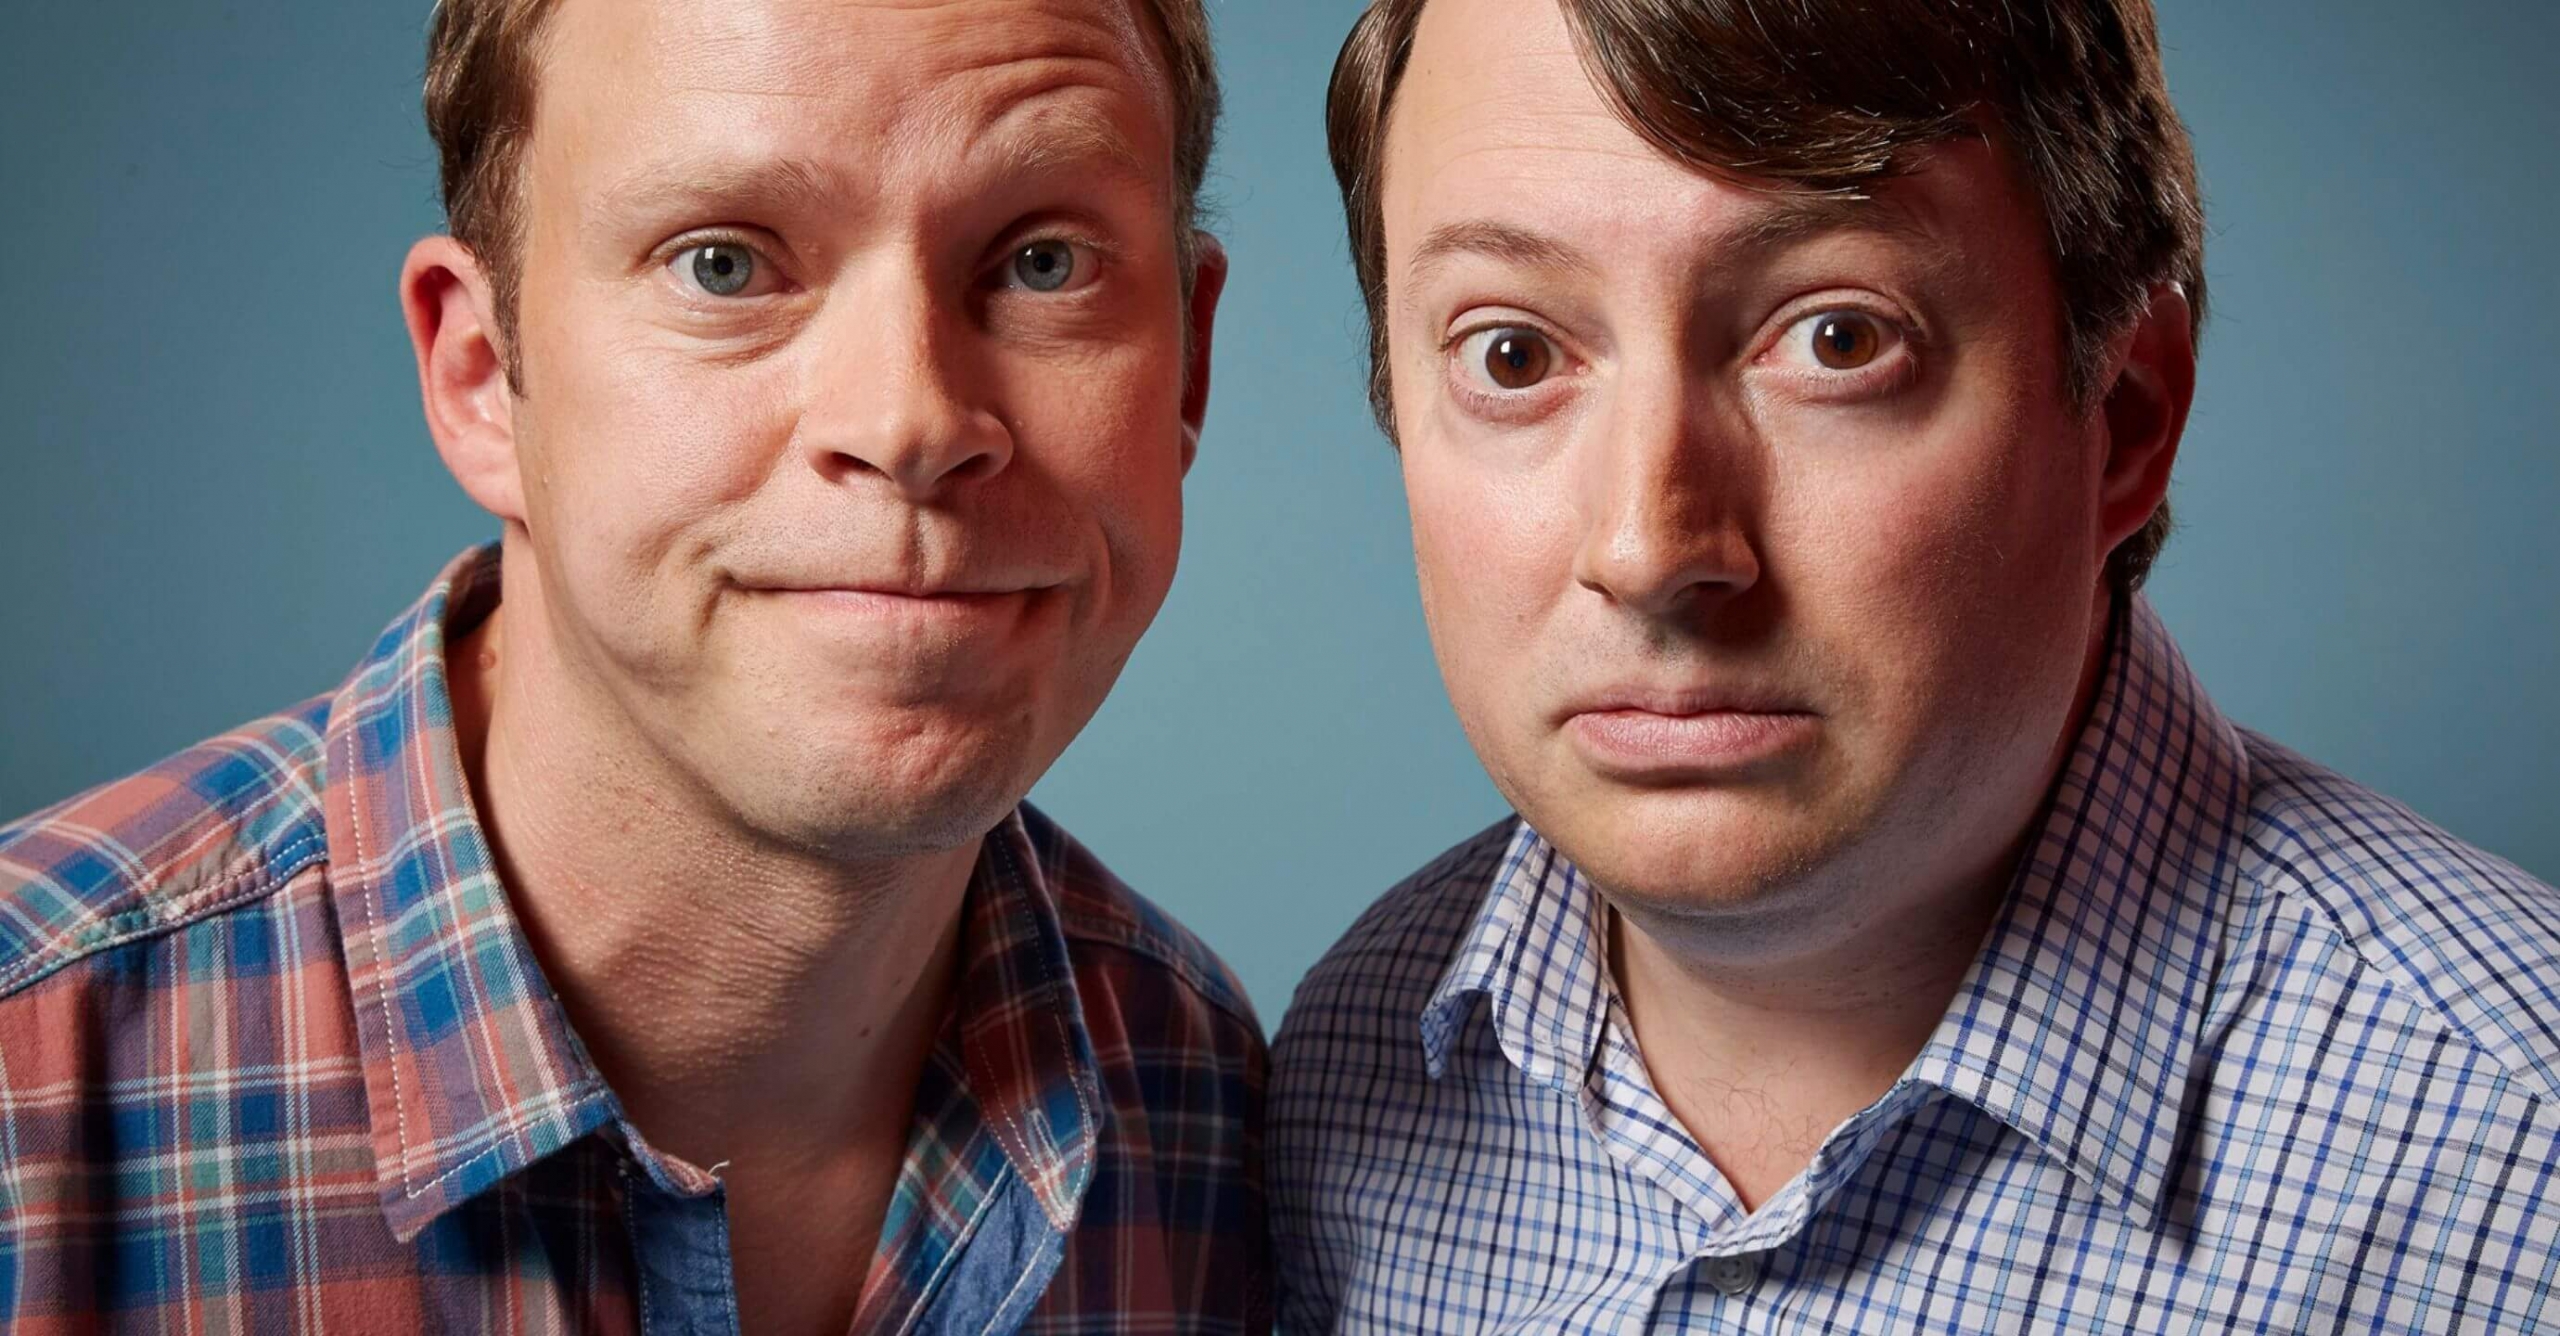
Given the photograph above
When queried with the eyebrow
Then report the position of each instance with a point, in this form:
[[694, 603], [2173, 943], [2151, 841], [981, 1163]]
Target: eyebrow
[[1523, 247], [1789, 217], [1055, 138], [780, 184], [1794, 215]]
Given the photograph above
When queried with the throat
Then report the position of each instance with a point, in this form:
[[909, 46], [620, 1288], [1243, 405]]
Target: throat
[[1761, 1068]]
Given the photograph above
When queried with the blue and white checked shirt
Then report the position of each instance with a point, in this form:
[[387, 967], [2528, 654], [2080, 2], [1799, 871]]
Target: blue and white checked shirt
[[2249, 1049]]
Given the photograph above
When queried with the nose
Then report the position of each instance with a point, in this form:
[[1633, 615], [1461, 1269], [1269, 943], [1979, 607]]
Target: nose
[[1669, 501], [898, 390]]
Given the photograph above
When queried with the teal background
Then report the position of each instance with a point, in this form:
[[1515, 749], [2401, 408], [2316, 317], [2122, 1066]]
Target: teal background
[[216, 487]]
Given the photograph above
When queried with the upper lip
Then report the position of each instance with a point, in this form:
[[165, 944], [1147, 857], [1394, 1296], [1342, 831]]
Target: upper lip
[[1683, 700]]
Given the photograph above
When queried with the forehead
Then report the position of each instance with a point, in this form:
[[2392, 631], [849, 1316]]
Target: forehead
[[843, 78], [1498, 119]]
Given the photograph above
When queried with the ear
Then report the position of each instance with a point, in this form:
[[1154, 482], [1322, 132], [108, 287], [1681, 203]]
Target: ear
[[1208, 280], [450, 308], [2144, 415]]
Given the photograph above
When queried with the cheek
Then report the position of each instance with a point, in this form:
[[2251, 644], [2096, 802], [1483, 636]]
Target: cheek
[[1946, 577], [639, 439], [633, 468], [1101, 452], [1493, 559]]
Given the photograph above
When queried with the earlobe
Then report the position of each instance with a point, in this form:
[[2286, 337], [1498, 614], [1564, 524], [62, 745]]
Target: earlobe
[[448, 303], [1209, 279], [2145, 414]]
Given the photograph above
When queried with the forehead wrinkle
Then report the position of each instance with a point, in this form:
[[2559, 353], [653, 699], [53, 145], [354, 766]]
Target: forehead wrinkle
[[1065, 127], [885, 77]]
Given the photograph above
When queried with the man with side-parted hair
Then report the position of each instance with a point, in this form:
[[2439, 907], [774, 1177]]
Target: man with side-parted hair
[[1892, 936], [650, 935]]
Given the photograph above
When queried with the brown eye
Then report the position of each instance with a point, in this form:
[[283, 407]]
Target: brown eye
[[1516, 359], [1846, 340]]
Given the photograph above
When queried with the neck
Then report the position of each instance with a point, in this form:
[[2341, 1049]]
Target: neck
[[736, 995], [1761, 1056], [1766, 1029]]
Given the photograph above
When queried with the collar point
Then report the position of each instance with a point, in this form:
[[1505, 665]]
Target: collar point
[[1441, 1021], [2140, 1202]]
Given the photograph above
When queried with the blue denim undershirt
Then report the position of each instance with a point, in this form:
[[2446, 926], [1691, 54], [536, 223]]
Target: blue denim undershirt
[[680, 1259]]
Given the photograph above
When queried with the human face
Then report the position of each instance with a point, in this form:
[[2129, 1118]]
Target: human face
[[1759, 540], [854, 418]]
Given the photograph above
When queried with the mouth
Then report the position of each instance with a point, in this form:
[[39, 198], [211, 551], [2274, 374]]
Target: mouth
[[860, 595], [953, 606], [1685, 736]]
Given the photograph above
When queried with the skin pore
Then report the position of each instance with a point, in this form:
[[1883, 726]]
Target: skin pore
[[1762, 549], [858, 381]]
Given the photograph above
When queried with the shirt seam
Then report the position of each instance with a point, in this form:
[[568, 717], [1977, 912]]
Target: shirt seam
[[951, 1257], [262, 874], [1086, 1101], [2292, 887]]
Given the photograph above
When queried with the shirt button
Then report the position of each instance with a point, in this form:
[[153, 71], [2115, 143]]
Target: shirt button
[[1735, 1275]]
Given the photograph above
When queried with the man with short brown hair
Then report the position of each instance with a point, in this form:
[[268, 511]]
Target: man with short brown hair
[[650, 935], [1892, 935]]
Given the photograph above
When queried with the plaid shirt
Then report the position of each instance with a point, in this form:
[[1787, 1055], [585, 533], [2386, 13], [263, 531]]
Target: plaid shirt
[[2249, 1049], [276, 1056]]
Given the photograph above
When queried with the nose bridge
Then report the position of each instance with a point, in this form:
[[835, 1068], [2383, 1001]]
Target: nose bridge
[[1670, 495], [895, 388]]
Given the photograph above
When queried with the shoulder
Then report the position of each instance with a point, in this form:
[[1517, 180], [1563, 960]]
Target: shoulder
[[1120, 938], [1365, 997], [221, 824], [2472, 939], [1352, 1100]]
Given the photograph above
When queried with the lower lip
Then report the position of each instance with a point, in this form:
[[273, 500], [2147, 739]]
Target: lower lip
[[1643, 744], [936, 608]]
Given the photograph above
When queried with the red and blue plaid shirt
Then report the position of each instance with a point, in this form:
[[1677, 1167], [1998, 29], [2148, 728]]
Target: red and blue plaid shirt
[[276, 1056]]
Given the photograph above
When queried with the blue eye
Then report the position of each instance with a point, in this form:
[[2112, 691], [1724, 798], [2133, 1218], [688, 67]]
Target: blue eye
[[1045, 266], [722, 269]]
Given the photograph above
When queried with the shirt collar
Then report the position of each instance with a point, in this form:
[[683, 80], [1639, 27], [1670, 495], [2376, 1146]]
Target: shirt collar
[[1030, 1061], [2080, 1019], [472, 1071], [2077, 1022], [1537, 954]]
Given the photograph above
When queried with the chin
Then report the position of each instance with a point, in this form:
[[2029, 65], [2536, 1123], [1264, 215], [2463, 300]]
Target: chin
[[1691, 850], [845, 817], [868, 792]]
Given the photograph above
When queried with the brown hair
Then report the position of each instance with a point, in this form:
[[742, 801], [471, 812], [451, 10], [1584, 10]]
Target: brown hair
[[1824, 95], [481, 56]]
